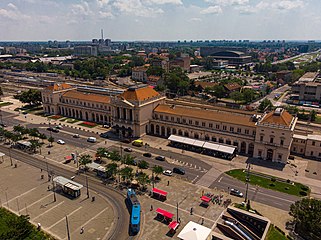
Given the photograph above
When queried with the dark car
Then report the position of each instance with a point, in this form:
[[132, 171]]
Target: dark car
[[55, 130], [49, 128], [179, 171], [147, 154], [236, 192], [126, 140], [160, 158], [104, 135], [3, 125]]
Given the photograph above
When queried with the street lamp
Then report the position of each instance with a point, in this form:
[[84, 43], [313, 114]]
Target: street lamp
[[247, 182], [10, 157]]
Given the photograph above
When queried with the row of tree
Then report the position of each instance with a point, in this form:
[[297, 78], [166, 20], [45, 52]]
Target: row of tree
[[31, 97]]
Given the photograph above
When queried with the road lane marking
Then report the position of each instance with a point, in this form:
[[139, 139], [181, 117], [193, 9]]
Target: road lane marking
[[53, 225], [81, 225], [48, 210], [23, 194], [35, 202], [220, 179]]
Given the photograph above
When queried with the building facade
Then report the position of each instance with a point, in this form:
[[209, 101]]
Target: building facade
[[141, 110]]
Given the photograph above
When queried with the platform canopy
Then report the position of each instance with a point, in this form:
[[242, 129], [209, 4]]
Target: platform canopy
[[205, 199], [219, 148], [160, 192], [65, 182], [194, 231], [164, 213], [173, 225]]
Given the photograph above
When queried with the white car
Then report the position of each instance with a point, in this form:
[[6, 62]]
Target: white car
[[168, 172], [62, 142], [91, 139]]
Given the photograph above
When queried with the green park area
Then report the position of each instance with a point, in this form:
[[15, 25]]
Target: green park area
[[13, 227], [3, 104], [275, 234], [270, 182]]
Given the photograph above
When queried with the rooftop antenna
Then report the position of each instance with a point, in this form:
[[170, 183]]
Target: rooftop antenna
[[102, 34]]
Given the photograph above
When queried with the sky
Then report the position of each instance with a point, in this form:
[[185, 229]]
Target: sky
[[154, 20]]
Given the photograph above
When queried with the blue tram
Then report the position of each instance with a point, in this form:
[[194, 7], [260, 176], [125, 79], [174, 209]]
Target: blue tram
[[134, 208]]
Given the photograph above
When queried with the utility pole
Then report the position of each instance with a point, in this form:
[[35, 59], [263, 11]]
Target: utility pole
[[54, 190], [177, 212], [87, 187], [153, 178], [67, 226], [49, 127], [47, 169], [10, 157], [247, 181]]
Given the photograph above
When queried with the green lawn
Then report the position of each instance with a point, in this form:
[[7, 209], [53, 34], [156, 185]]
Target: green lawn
[[296, 189], [14, 227], [3, 104], [275, 234]]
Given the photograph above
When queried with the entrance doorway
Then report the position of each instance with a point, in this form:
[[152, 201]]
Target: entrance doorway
[[269, 155]]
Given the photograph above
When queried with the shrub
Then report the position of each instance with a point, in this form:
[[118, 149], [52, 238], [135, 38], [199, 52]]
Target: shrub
[[303, 193], [305, 188], [287, 188], [272, 184], [273, 179], [281, 231], [288, 181]]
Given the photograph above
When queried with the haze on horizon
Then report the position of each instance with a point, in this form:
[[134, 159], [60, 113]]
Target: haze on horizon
[[41, 20]]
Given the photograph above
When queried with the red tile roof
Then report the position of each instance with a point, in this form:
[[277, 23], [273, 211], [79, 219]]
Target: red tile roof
[[87, 96], [284, 118], [139, 94], [59, 87]]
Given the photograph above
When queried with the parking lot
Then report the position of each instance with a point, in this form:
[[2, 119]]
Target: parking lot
[[23, 191]]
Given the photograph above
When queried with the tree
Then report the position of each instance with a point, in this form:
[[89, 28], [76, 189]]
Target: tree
[[307, 216], [85, 159], [32, 97], [313, 115], [1, 92], [142, 164], [34, 132], [128, 159], [143, 179], [35, 144], [42, 136], [101, 152], [51, 140], [177, 81], [157, 170], [111, 169], [236, 96], [115, 156], [266, 104], [126, 173], [248, 95], [218, 91]]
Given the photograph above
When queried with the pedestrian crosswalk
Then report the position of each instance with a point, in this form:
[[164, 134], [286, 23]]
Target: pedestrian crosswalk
[[191, 166]]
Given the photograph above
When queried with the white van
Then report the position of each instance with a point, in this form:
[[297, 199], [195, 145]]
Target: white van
[[91, 139]]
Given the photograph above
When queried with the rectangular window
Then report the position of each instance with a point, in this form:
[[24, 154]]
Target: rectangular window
[[217, 126], [254, 133], [319, 154], [311, 153], [190, 122], [231, 129], [271, 140], [261, 138], [203, 124], [178, 120], [196, 123], [184, 120], [280, 156], [156, 116], [210, 125], [224, 128], [282, 142], [161, 117], [166, 118], [239, 130], [313, 143], [247, 131]]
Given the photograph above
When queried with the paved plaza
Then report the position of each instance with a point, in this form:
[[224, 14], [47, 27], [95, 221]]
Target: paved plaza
[[22, 191]]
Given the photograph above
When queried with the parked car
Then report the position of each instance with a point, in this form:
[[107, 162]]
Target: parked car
[[104, 135], [49, 128], [76, 136], [106, 126], [179, 171], [62, 142], [3, 125], [236, 192], [58, 127], [147, 154], [128, 149], [126, 140], [91, 139], [168, 172], [160, 158]]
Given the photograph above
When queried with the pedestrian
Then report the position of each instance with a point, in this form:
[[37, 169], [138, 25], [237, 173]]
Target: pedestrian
[[40, 169], [191, 210], [167, 183], [82, 230], [179, 220], [48, 187], [151, 208], [202, 221]]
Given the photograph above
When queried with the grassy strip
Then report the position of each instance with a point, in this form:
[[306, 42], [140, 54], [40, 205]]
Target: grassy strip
[[271, 182], [3, 104], [275, 234], [86, 125], [18, 227]]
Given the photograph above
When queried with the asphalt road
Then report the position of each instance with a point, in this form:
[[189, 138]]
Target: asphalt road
[[116, 199], [268, 197]]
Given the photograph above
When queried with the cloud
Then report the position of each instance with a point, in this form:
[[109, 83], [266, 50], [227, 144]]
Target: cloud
[[12, 13], [102, 3], [195, 20], [105, 14], [247, 10], [81, 9], [212, 10], [161, 2], [228, 2], [288, 4], [136, 8]]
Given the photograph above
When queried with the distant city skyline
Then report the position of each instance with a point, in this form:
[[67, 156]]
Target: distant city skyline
[[159, 20]]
